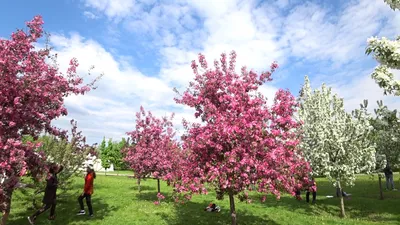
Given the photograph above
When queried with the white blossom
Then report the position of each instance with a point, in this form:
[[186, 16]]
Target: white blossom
[[394, 4], [387, 53], [386, 134], [336, 144]]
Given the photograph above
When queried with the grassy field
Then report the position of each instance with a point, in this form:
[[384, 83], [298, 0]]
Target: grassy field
[[117, 172], [117, 202]]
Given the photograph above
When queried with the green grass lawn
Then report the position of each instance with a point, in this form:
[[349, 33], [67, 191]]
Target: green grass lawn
[[117, 172], [117, 202]]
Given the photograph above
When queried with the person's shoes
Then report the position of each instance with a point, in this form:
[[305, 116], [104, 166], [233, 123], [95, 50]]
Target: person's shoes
[[82, 212], [313, 202], [52, 217], [31, 221], [91, 215]]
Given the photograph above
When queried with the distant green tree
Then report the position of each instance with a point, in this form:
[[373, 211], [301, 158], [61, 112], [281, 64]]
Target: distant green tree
[[118, 155], [105, 155]]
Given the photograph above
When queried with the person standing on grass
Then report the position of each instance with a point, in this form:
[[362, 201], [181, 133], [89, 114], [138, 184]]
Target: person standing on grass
[[297, 191], [298, 194], [87, 191], [50, 194], [312, 188], [389, 176]]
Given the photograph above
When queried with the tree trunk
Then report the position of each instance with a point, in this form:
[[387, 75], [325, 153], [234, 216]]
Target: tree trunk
[[138, 182], [6, 211], [4, 218], [158, 185], [380, 187], [105, 171], [342, 211], [233, 210]]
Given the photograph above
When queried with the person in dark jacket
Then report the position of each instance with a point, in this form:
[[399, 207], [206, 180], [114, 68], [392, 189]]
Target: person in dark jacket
[[312, 189], [50, 194], [87, 191], [389, 176]]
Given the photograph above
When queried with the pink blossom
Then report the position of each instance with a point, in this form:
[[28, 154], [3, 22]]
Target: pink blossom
[[237, 147], [33, 92], [155, 153]]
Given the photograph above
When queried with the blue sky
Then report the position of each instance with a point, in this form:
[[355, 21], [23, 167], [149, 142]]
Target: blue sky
[[144, 48]]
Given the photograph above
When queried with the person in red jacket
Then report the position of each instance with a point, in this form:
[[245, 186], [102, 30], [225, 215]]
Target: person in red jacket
[[87, 191]]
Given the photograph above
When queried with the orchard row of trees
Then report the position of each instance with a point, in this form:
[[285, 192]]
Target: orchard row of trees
[[241, 144], [270, 152]]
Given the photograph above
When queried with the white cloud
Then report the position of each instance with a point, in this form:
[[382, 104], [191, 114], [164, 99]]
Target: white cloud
[[317, 33], [282, 3], [120, 93], [113, 8], [260, 34], [364, 87], [119, 76], [90, 15], [309, 31]]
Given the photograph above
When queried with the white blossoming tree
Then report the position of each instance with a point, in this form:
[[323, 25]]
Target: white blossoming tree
[[386, 136], [394, 4], [387, 53], [335, 143], [386, 133]]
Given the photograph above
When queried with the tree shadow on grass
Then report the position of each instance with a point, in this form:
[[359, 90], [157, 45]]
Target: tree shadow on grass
[[143, 188], [362, 205], [193, 213], [152, 196], [66, 210]]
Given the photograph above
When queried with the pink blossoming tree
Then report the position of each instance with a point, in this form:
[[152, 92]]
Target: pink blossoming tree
[[243, 145], [153, 153], [32, 93]]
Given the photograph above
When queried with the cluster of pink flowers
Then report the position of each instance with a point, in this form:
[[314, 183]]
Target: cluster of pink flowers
[[155, 152], [243, 144], [32, 95], [160, 197]]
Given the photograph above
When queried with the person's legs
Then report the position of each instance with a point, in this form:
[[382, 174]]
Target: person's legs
[[387, 181], [53, 211], [40, 211], [314, 196], [80, 200], [391, 181], [308, 196], [298, 195], [89, 204]]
